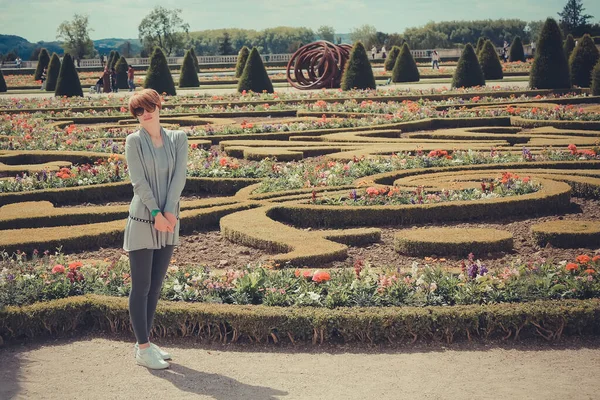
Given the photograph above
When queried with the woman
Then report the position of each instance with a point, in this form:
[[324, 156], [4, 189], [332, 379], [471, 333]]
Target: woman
[[157, 162], [106, 80], [113, 80]]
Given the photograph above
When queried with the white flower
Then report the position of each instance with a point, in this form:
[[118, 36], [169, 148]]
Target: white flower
[[177, 288], [27, 277]]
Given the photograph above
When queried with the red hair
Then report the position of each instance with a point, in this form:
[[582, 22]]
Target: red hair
[[145, 99]]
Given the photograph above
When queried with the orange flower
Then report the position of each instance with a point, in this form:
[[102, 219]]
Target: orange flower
[[596, 258], [590, 271], [74, 265], [307, 274], [321, 276], [572, 267], [583, 259], [223, 162], [297, 273], [58, 269], [371, 191]]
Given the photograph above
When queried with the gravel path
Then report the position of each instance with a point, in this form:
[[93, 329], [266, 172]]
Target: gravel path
[[96, 368]]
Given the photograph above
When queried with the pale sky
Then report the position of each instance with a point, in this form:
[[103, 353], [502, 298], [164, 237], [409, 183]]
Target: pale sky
[[37, 20]]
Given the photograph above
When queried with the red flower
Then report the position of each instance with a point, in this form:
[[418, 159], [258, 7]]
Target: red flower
[[58, 269], [583, 259], [223, 162], [590, 271], [74, 265], [573, 148], [321, 276], [572, 267], [596, 258], [307, 274]]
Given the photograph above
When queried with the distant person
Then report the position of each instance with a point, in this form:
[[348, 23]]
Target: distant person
[[18, 62], [78, 60], [102, 60], [505, 51], [383, 52], [373, 52], [98, 86], [106, 80], [43, 77], [435, 60], [533, 49], [113, 80], [130, 72]]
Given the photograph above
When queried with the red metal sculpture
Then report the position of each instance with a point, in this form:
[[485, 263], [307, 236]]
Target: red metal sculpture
[[318, 65]]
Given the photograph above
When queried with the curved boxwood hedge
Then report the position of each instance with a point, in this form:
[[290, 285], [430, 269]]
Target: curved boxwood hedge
[[567, 233]]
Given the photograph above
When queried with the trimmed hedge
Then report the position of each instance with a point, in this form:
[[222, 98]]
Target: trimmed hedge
[[3, 87], [159, 76], [255, 77], [479, 46], [390, 61], [582, 61], [405, 67], [195, 59], [225, 323], [358, 73], [569, 46], [188, 76], [43, 60], [468, 72], [567, 233], [241, 61], [490, 62], [68, 80], [595, 89], [452, 241], [121, 68], [53, 71], [516, 51], [550, 69]]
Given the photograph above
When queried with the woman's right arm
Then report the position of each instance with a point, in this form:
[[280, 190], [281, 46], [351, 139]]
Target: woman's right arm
[[141, 187]]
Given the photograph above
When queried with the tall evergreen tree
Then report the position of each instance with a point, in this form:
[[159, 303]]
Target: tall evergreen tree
[[468, 72], [582, 61], [225, 47], [159, 76], [490, 62], [68, 79], [516, 51], [194, 58], [3, 87], [390, 61], [53, 71], [255, 77], [572, 18], [188, 76], [550, 69], [121, 68], [241, 61], [358, 72], [569, 45], [405, 68], [43, 61]]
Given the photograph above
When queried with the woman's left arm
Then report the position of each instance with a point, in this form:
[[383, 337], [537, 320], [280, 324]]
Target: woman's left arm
[[179, 177]]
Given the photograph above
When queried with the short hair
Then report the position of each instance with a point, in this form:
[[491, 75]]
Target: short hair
[[146, 99]]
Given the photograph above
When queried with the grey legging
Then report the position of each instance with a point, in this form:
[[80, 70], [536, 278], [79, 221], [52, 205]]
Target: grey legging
[[148, 269]]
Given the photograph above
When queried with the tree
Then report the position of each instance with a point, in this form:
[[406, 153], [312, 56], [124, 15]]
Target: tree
[[43, 61], [121, 68], [76, 38], [255, 77], [225, 47], [326, 32], [366, 34], [358, 72], [241, 61], [159, 76], [595, 89], [125, 49], [390, 61], [534, 28], [516, 51], [109, 60], [480, 43], [405, 67], [53, 71], [68, 80], [113, 62], [163, 28], [189, 75], [572, 18], [468, 72], [195, 59], [569, 45], [35, 54], [582, 61], [490, 62], [3, 87], [550, 69]]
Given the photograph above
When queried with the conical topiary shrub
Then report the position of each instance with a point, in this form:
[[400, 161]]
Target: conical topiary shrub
[[550, 69], [595, 88], [109, 61], [43, 61], [241, 61], [468, 71], [115, 59], [195, 59], [390, 61], [121, 68], [405, 68], [582, 61], [188, 76], [569, 45], [53, 71], [159, 76], [516, 51], [255, 77], [68, 80], [490, 62], [480, 43], [358, 72], [3, 87]]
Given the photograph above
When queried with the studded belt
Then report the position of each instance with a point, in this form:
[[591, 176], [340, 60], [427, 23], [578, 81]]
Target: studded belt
[[148, 221]]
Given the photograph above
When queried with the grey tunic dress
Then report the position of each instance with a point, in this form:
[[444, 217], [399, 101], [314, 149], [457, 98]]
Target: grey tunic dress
[[158, 177]]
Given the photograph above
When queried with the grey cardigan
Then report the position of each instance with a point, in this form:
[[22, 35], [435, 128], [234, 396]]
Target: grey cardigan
[[141, 154]]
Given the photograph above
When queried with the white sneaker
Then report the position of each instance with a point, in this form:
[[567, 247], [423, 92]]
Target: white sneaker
[[150, 358], [163, 354]]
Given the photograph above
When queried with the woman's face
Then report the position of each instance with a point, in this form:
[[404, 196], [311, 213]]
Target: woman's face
[[148, 119]]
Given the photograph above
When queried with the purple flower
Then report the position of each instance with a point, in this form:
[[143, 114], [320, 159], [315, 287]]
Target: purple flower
[[10, 277], [472, 271]]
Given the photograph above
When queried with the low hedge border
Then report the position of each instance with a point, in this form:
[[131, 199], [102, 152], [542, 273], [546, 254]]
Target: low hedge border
[[452, 241], [570, 100], [534, 123], [567, 233], [223, 323]]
